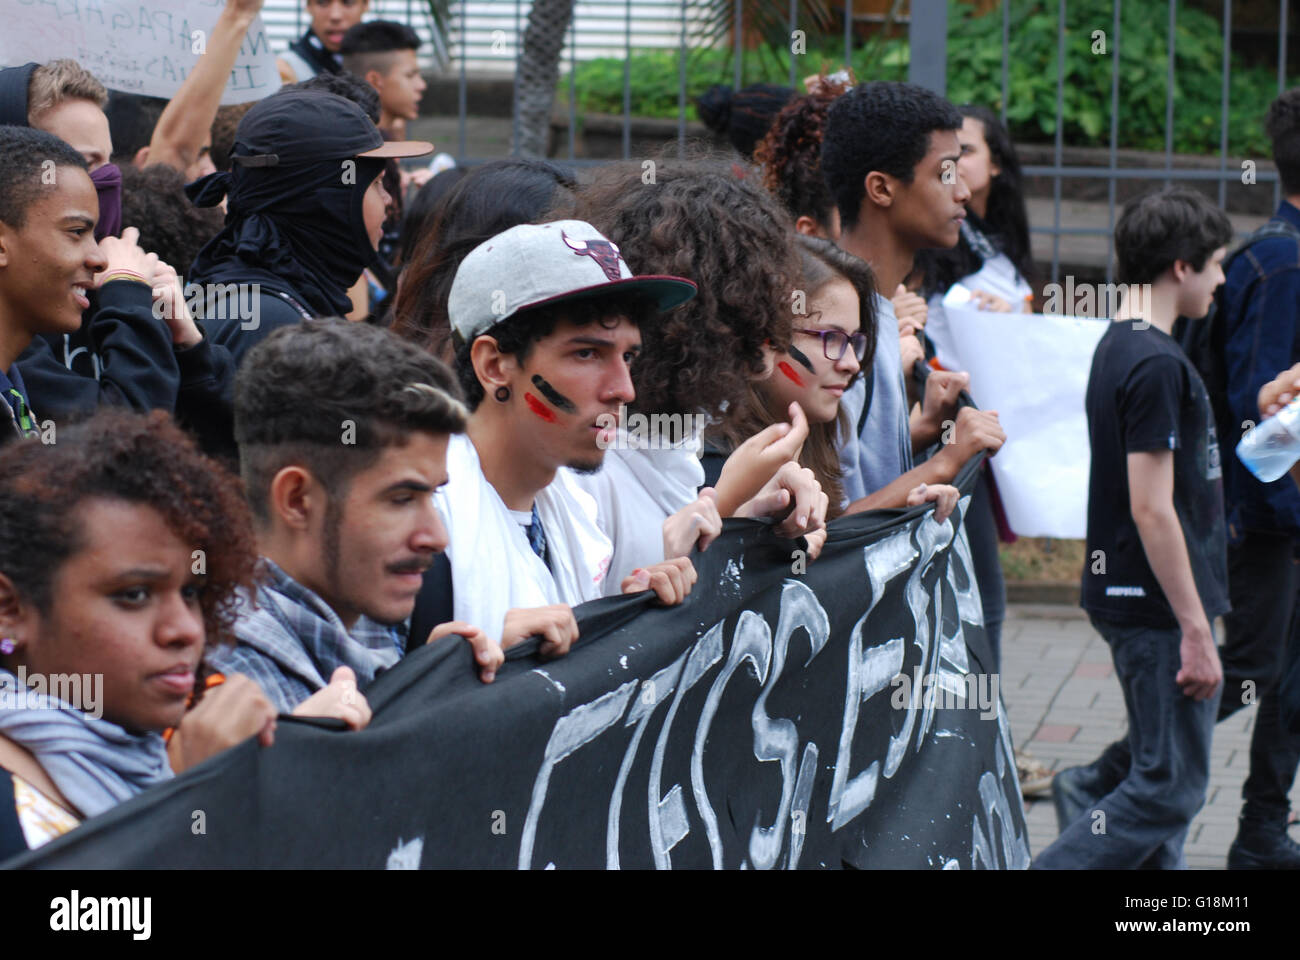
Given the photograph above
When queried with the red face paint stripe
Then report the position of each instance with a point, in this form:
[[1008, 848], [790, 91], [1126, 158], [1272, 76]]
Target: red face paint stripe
[[789, 371], [539, 408]]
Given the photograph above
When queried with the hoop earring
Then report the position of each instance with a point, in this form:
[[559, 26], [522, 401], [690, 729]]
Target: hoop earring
[[502, 394]]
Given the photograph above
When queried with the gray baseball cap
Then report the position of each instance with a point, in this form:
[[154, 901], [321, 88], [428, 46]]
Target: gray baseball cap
[[540, 264]]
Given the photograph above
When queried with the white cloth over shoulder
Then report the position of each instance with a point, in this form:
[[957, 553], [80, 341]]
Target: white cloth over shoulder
[[635, 492], [493, 569]]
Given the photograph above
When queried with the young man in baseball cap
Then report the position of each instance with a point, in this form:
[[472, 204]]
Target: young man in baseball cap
[[547, 321]]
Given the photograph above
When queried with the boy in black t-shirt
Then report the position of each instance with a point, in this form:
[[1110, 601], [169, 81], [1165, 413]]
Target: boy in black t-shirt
[[1156, 574]]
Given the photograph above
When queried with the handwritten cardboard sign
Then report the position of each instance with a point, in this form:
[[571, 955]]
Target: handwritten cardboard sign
[[136, 46]]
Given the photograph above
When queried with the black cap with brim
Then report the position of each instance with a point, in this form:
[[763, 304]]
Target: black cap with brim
[[306, 126]]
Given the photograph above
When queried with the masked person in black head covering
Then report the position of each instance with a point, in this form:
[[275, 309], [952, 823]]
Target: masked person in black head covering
[[304, 216], [305, 207]]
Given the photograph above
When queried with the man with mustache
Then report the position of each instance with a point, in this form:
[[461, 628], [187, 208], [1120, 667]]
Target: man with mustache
[[342, 432]]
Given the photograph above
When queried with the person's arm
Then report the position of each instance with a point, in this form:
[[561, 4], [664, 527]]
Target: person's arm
[[752, 465], [287, 76], [670, 580], [129, 341], [186, 121], [895, 494], [910, 309], [359, 294], [137, 364], [972, 431], [1276, 394], [942, 396], [555, 624], [1151, 502], [1263, 344], [696, 523], [911, 351], [226, 715], [487, 652], [205, 402]]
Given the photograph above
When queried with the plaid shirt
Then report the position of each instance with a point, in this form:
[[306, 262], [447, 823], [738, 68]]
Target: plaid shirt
[[290, 642]]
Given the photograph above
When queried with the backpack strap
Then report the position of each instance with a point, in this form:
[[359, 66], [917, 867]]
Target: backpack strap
[[291, 301], [868, 387]]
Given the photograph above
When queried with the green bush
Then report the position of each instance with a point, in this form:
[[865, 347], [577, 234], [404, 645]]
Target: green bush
[[975, 75]]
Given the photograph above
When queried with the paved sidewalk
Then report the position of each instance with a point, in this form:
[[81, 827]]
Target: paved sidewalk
[[1065, 705]]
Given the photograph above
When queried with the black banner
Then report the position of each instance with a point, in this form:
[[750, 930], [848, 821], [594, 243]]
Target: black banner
[[839, 713]]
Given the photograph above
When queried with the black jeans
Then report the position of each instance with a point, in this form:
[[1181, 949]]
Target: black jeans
[[1263, 580], [1142, 819]]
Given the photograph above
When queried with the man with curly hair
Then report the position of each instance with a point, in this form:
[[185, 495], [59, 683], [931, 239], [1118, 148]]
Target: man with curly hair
[[698, 218], [547, 321]]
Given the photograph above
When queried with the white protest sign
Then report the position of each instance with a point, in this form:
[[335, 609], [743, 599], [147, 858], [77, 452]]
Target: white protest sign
[[137, 46], [1033, 370]]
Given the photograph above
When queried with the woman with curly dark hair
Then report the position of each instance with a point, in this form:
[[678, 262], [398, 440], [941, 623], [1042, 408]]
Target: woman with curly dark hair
[[790, 156], [698, 219], [834, 338], [490, 199], [121, 551]]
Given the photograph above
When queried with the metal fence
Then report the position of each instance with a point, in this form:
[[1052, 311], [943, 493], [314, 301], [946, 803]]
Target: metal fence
[[486, 35]]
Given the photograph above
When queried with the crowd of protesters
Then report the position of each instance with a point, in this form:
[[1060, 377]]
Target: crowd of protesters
[[281, 409]]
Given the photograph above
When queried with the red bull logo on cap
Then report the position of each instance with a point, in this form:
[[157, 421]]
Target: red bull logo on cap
[[604, 252]]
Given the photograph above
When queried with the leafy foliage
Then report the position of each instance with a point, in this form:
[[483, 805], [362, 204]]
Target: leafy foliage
[[975, 75]]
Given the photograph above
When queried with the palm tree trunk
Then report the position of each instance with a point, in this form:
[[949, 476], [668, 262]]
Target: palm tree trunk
[[538, 71]]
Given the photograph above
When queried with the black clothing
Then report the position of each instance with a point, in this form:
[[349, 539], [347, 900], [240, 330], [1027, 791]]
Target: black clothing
[[13, 94], [1145, 396], [122, 355], [237, 318], [298, 230], [12, 839], [310, 48]]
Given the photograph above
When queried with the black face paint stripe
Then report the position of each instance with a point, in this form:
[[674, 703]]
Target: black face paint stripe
[[557, 399], [802, 357]]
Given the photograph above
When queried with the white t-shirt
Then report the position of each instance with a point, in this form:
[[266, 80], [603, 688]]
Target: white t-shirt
[[635, 492], [493, 567]]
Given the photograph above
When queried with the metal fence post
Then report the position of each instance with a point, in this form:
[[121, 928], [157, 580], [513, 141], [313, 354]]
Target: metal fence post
[[927, 37]]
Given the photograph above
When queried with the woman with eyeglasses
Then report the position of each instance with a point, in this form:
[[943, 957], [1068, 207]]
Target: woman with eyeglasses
[[833, 340]]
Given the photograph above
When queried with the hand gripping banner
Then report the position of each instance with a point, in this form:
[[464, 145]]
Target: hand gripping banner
[[790, 714]]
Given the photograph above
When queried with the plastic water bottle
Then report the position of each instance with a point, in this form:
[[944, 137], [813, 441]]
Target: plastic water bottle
[[1269, 450]]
